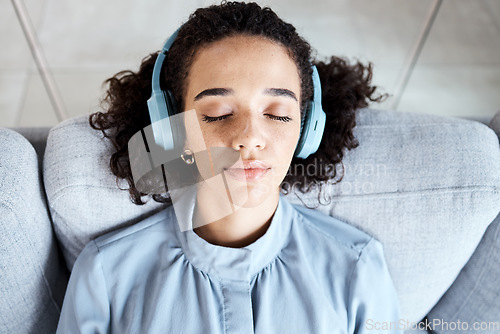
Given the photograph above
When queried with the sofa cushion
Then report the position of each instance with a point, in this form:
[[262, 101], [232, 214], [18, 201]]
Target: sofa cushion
[[425, 186], [84, 197], [32, 277]]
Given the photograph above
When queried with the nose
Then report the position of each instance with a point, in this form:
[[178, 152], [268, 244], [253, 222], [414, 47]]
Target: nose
[[248, 136]]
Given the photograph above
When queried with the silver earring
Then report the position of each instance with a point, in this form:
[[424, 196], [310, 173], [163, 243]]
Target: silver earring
[[188, 157]]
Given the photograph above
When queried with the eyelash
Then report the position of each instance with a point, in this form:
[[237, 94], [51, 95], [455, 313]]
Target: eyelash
[[279, 118], [209, 119]]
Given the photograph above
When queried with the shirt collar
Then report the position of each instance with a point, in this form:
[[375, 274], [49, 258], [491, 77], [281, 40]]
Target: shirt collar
[[239, 263]]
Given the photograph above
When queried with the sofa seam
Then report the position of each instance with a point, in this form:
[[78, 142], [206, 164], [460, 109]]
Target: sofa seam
[[444, 190], [58, 194], [465, 122], [335, 197]]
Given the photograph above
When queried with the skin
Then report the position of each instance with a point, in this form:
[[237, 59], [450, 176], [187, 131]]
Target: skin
[[245, 92]]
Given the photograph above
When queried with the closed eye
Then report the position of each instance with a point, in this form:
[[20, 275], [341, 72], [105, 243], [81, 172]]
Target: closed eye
[[209, 119], [279, 118]]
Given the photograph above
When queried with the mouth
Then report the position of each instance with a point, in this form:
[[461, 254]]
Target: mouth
[[249, 170]]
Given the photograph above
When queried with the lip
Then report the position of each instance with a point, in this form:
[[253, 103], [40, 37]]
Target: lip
[[249, 170]]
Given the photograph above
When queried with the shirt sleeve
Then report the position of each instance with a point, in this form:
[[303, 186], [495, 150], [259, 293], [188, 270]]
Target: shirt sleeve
[[86, 306], [373, 302]]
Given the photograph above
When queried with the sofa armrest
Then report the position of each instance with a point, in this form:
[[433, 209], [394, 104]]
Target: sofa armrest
[[32, 277], [37, 136]]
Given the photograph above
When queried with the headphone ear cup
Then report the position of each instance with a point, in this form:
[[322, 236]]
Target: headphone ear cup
[[314, 122], [312, 131], [303, 132]]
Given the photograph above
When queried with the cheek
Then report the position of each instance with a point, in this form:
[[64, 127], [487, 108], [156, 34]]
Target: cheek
[[195, 138], [281, 140], [286, 142], [288, 136], [215, 136], [283, 146]]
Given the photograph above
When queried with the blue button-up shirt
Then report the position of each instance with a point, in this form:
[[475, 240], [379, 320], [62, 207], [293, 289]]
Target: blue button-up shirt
[[309, 273]]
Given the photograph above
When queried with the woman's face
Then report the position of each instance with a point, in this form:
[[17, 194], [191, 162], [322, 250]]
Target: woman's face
[[246, 95]]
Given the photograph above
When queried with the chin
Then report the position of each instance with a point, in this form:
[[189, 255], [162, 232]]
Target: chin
[[252, 195]]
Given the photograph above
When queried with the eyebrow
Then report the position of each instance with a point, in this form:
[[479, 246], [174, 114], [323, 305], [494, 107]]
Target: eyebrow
[[228, 91], [214, 92], [281, 92]]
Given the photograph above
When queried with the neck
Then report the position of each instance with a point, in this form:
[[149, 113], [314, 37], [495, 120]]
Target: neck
[[238, 229]]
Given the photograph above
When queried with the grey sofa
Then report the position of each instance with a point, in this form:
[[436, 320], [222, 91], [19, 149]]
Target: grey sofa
[[427, 187]]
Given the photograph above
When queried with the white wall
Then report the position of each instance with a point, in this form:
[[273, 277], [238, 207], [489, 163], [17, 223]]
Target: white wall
[[87, 41]]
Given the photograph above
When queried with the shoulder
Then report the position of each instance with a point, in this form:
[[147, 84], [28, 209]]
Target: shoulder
[[130, 249], [333, 232], [134, 242], [349, 266], [157, 224]]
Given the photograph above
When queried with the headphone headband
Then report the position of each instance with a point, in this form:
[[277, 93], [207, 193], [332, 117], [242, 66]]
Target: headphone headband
[[155, 82]]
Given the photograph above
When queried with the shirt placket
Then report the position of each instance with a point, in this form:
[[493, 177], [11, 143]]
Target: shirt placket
[[238, 315]]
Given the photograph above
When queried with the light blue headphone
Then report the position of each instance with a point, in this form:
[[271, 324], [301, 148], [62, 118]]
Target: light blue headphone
[[161, 105]]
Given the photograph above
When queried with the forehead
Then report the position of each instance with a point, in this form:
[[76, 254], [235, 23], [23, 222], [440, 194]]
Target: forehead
[[243, 60]]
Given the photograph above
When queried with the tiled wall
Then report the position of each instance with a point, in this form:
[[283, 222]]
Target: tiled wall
[[84, 42]]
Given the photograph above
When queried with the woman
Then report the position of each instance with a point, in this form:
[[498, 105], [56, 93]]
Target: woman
[[245, 78]]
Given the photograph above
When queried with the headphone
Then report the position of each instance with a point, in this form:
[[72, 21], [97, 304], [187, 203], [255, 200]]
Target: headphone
[[162, 105]]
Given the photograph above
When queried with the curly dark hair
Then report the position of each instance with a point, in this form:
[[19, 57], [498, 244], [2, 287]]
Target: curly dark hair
[[345, 88]]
